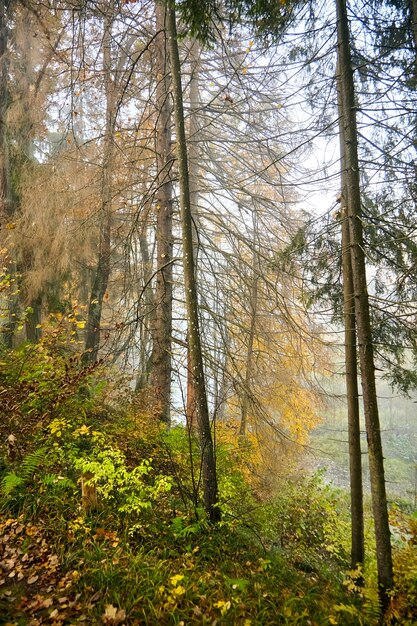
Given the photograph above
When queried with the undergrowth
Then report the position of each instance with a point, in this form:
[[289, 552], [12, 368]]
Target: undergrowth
[[145, 552]]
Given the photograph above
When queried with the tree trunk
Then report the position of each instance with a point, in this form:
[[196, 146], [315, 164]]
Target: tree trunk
[[33, 320], [6, 204], [364, 331], [196, 358], [146, 319], [352, 392], [253, 311], [194, 173], [414, 31], [162, 330], [4, 103], [102, 272]]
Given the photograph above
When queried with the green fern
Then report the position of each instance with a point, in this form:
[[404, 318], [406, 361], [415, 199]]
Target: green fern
[[57, 482], [10, 482], [31, 462]]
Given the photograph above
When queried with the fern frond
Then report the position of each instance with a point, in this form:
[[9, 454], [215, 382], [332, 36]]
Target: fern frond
[[57, 482], [31, 462], [10, 482]]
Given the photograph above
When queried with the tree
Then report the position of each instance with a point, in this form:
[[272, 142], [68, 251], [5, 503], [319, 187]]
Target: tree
[[162, 331], [4, 102], [351, 369], [102, 272], [193, 333], [362, 312]]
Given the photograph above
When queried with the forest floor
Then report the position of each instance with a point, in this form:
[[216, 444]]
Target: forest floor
[[214, 578], [144, 553]]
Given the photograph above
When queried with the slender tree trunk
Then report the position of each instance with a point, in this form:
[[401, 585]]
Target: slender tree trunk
[[146, 321], [102, 272], [162, 332], [194, 175], [414, 31], [364, 331], [352, 392], [196, 358], [249, 364]]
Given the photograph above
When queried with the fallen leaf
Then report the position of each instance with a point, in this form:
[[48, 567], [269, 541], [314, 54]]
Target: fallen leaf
[[32, 579], [96, 596], [113, 615]]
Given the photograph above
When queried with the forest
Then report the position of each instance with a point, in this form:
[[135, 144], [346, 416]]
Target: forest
[[208, 312]]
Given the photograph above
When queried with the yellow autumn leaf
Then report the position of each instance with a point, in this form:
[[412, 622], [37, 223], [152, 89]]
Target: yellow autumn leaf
[[81, 324], [223, 605], [174, 580], [179, 591]]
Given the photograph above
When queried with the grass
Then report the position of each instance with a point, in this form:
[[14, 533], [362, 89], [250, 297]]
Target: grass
[[214, 577]]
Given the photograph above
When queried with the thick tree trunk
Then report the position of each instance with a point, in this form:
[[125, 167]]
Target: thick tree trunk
[[102, 272], [364, 331], [196, 358], [352, 392], [162, 330]]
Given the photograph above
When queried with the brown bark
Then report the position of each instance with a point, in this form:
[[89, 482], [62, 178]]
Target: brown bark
[[4, 103], [208, 463], [89, 498], [363, 322], [357, 553], [352, 393], [162, 328], [194, 172]]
